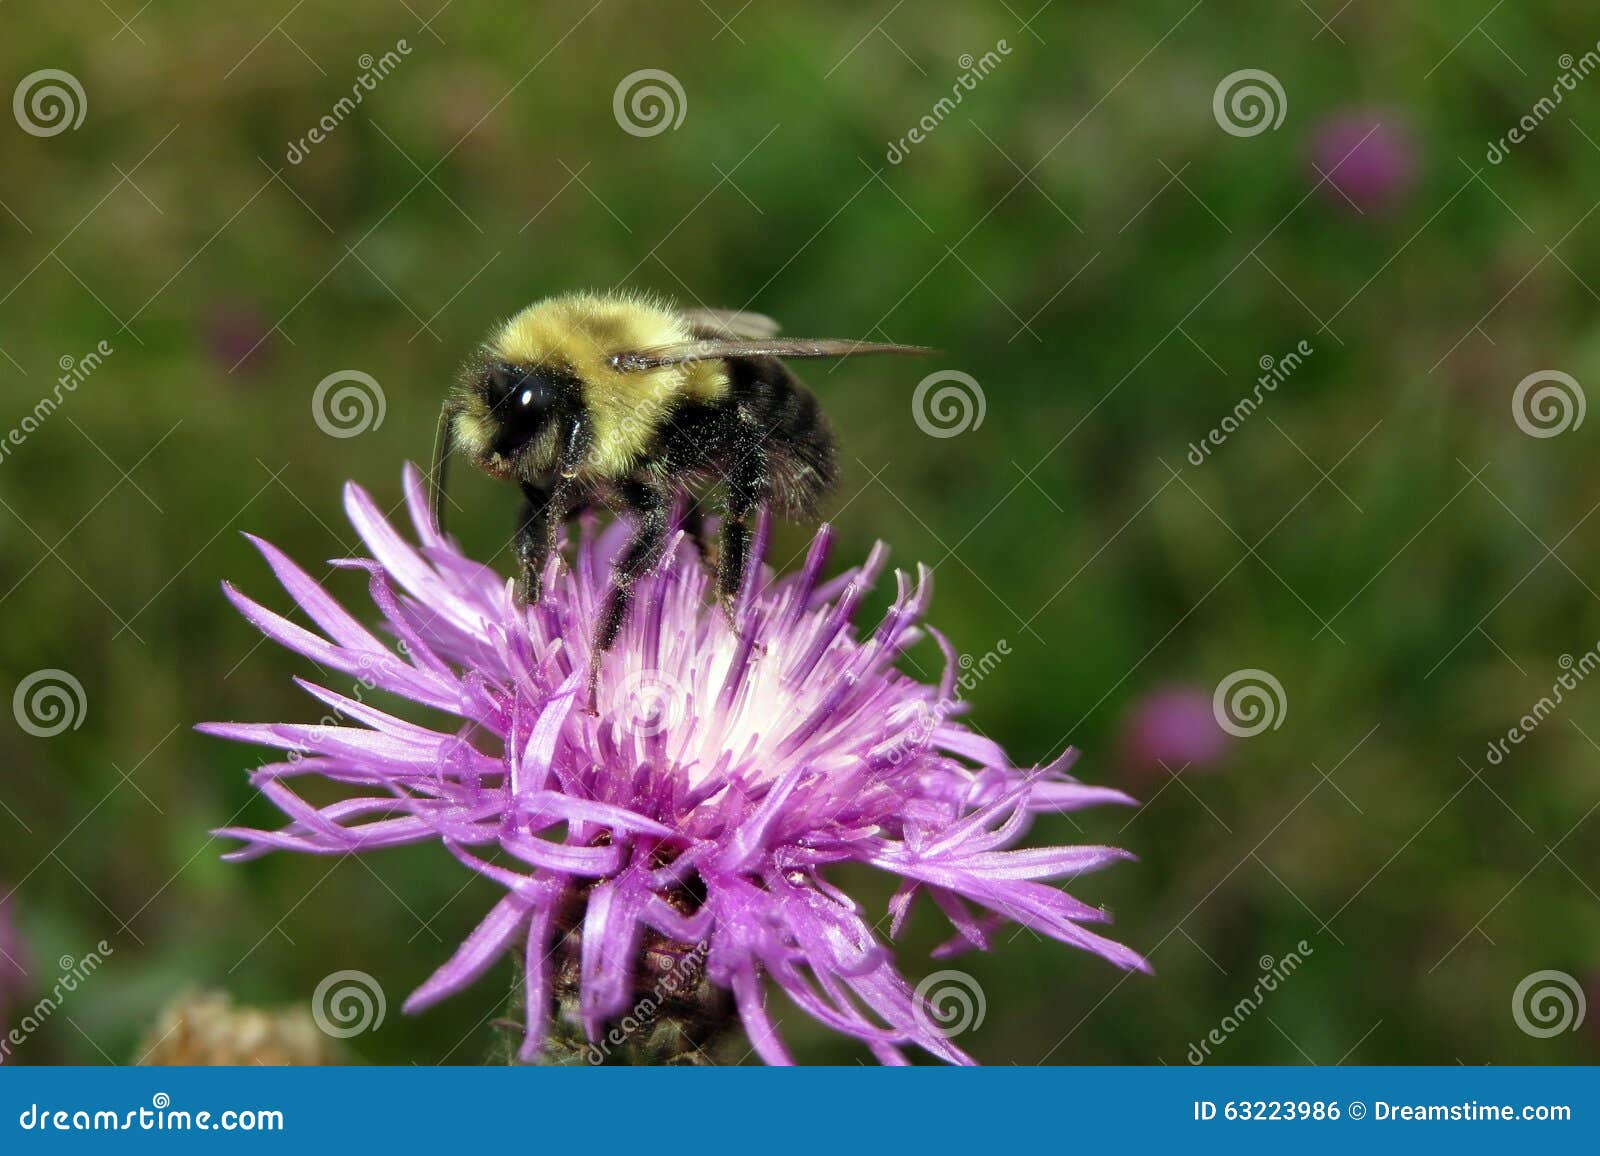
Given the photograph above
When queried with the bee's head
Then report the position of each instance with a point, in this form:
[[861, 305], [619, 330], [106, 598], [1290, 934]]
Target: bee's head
[[508, 415]]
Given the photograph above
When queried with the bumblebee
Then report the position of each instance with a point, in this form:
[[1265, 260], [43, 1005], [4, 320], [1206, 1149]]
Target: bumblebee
[[628, 402]]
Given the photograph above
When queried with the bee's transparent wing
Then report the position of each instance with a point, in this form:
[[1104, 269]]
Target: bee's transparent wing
[[731, 323], [714, 349]]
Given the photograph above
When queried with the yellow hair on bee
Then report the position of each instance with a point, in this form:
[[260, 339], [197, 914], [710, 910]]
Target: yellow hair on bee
[[578, 333]]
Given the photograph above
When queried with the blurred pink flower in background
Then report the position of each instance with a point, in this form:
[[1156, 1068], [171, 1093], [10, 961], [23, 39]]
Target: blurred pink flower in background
[[1367, 155], [1173, 726], [236, 336], [13, 965]]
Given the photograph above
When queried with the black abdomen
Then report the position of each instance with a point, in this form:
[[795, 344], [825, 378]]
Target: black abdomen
[[769, 418], [798, 439]]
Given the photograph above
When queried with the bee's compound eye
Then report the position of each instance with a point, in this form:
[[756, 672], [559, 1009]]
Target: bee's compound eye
[[520, 400], [499, 381]]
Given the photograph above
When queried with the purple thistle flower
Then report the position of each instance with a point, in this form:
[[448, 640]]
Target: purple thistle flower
[[236, 337], [13, 963], [702, 799], [1369, 157], [1174, 728]]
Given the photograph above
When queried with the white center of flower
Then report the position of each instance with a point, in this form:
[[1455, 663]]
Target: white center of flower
[[675, 710]]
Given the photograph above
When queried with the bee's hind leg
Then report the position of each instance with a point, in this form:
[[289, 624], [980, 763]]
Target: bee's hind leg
[[749, 485]]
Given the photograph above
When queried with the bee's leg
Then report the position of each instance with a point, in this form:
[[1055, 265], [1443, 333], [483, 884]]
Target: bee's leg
[[562, 505], [651, 508], [539, 522], [694, 525], [749, 483], [566, 496]]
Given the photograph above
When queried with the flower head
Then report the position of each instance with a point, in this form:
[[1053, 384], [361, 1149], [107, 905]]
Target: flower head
[[13, 962], [1172, 728], [1368, 157], [236, 336], [701, 798], [206, 1029]]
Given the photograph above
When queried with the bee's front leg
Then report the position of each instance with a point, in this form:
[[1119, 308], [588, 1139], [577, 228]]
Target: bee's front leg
[[536, 529], [550, 504], [694, 525]]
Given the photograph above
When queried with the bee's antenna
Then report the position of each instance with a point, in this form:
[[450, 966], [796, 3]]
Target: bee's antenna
[[441, 459]]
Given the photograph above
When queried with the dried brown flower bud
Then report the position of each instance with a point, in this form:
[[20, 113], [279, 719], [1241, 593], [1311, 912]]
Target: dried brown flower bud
[[205, 1028]]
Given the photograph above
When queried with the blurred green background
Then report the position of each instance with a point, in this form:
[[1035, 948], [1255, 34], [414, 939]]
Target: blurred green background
[[1080, 235]]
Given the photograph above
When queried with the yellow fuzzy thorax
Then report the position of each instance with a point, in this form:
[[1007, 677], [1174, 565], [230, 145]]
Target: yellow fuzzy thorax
[[579, 333]]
